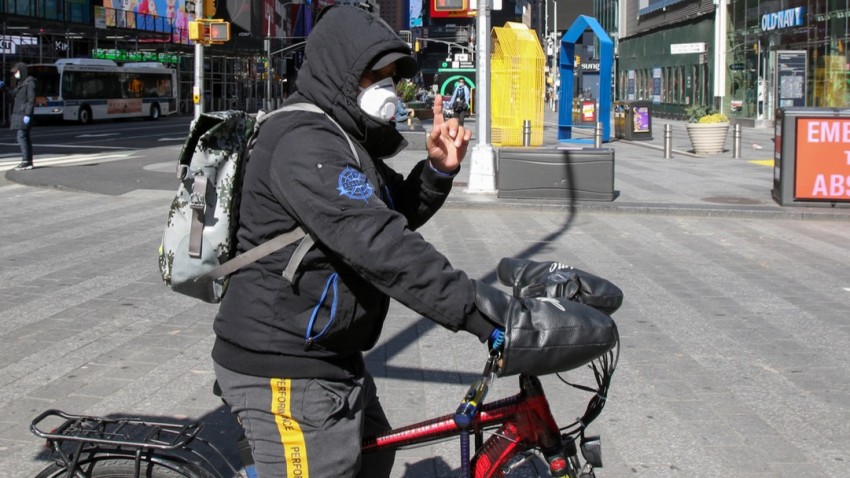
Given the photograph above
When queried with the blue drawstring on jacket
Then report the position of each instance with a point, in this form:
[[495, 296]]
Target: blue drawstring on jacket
[[310, 339]]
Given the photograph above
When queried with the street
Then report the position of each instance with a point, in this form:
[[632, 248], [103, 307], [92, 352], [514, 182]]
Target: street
[[53, 142], [734, 331]]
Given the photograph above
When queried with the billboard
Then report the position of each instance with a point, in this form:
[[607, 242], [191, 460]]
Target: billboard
[[451, 9], [163, 16], [823, 159]]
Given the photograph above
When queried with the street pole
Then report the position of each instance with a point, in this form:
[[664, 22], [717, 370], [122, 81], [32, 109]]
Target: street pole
[[482, 170], [719, 54], [268, 45], [198, 89], [556, 55]]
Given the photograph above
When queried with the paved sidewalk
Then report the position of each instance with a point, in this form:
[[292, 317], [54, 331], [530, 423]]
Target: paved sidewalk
[[687, 183], [734, 331]]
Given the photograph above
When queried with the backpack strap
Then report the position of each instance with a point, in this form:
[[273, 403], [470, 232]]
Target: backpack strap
[[286, 238]]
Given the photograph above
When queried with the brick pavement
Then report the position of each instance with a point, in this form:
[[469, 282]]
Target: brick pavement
[[735, 337]]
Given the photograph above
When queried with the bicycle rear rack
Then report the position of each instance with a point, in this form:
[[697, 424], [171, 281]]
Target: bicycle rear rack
[[122, 432], [143, 440]]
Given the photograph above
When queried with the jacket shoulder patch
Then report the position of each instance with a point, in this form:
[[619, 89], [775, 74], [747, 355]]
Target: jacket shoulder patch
[[354, 185]]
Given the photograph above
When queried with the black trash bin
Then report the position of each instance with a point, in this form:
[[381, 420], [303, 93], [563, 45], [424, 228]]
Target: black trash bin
[[633, 120]]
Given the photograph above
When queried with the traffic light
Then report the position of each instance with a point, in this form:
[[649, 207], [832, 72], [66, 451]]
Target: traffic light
[[416, 46], [219, 32], [209, 8], [197, 31], [209, 31]]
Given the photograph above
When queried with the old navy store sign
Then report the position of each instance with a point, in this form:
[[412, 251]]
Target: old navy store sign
[[793, 17]]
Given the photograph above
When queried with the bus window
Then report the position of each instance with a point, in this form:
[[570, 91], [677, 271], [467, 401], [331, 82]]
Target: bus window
[[135, 86]]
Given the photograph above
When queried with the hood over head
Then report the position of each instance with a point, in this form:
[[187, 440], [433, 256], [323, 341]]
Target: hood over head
[[22, 67], [344, 43]]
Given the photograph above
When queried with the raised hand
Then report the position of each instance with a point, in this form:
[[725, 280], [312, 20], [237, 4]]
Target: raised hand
[[447, 142]]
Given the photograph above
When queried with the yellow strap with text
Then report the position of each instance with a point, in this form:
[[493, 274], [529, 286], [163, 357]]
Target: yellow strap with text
[[291, 437]]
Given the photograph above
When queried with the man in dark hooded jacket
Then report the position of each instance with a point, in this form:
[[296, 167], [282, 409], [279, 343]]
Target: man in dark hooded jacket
[[288, 355], [22, 110]]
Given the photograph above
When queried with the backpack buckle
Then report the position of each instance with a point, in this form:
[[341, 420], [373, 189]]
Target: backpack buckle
[[197, 199]]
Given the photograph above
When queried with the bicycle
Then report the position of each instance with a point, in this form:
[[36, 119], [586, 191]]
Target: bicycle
[[524, 431], [123, 447]]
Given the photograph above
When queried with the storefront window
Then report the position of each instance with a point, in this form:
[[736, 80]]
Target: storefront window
[[817, 29]]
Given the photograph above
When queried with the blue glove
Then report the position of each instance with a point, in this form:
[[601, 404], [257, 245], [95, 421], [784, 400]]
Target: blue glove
[[26, 120], [496, 340]]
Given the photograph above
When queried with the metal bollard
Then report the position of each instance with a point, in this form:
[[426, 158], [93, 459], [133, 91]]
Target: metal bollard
[[668, 141], [597, 135], [736, 142], [526, 133]]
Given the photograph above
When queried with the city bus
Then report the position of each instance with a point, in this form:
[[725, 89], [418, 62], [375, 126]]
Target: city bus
[[84, 90]]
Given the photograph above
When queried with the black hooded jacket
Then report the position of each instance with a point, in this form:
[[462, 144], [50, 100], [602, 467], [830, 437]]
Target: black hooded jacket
[[362, 217]]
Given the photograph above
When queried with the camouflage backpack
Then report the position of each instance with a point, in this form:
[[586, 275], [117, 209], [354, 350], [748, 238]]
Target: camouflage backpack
[[199, 243]]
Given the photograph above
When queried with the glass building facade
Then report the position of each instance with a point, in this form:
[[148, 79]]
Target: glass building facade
[[786, 53]]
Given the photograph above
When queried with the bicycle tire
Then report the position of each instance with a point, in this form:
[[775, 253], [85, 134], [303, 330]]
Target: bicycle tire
[[123, 468]]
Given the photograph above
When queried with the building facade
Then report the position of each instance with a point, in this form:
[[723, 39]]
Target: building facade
[[665, 54], [745, 58], [789, 53]]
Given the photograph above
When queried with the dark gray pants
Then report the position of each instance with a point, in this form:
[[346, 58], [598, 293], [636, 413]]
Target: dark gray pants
[[25, 142], [308, 427]]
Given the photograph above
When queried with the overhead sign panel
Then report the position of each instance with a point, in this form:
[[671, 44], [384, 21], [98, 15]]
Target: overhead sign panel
[[685, 48]]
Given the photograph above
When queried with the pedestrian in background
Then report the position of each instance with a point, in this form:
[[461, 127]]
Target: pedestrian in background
[[459, 102], [21, 118]]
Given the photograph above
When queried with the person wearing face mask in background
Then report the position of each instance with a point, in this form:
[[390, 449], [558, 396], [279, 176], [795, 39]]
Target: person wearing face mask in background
[[22, 111], [459, 102], [288, 356]]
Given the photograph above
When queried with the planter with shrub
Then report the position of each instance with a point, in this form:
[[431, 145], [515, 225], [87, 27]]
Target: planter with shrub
[[707, 130]]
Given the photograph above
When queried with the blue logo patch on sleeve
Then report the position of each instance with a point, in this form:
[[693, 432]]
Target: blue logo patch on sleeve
[[353, 183]]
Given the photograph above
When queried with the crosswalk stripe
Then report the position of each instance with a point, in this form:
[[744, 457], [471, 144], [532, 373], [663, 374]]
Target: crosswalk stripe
[[70, 159]]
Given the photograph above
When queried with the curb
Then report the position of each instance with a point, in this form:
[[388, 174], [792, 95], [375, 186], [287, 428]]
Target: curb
[[463, 200]]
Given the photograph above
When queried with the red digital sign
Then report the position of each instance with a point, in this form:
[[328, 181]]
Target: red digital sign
[[451, 9], [823, 159]]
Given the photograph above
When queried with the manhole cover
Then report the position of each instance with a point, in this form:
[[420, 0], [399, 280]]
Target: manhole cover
[[731, 200]]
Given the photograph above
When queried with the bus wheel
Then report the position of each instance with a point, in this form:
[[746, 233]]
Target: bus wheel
[[154, 111], [85, 115]]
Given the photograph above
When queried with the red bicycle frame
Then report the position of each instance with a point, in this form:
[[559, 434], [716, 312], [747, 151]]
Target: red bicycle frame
[[525, 421]]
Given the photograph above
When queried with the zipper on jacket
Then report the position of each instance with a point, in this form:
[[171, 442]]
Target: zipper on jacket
[[308, 339], [389, 197]]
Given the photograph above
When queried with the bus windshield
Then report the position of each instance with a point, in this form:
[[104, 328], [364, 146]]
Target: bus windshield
[[46, 80]]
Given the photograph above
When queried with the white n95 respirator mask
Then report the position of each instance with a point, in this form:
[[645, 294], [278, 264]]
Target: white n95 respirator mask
[[379, 100]]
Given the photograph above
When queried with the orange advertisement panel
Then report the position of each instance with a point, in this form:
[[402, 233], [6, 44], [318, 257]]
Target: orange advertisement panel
[[117, 107], [823, 159]]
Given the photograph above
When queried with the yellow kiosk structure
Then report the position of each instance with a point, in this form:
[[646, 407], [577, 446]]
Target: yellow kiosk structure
[[517, 85]]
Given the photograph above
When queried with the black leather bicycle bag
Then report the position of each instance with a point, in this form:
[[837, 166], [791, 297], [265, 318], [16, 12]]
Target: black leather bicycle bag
[[546, 335], [553, 279]]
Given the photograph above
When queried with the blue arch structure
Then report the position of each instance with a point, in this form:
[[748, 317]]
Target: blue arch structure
[[606, 67]]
